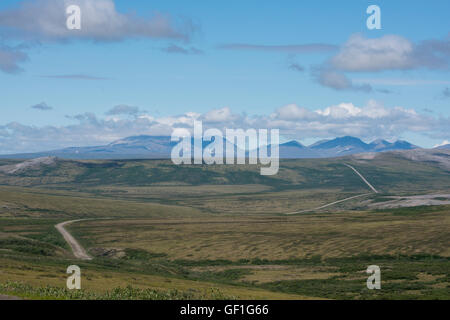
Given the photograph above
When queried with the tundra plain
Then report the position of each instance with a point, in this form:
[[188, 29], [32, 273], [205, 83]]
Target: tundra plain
[[160, 231]]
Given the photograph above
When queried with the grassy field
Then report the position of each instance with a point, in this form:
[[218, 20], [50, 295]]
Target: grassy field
[[278, 237], [158, 231]]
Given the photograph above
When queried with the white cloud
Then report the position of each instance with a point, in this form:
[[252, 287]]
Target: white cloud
[[373, 120], [334, 80], [219, 115], [370, 121], [45, 20], [34, 22], [10, 58], [363, 54], [292, 112], [42, 106], [338, 81], [123, 109], [391, 52], [342, 110], [443, 143]]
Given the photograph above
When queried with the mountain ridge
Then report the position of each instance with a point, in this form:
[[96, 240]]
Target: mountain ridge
[[160, 147]]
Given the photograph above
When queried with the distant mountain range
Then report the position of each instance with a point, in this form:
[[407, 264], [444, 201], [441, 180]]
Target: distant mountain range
[[445, 146], [340, 147], [153, 147]]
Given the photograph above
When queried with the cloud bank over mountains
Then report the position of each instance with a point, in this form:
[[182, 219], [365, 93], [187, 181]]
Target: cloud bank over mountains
[[371, 121]]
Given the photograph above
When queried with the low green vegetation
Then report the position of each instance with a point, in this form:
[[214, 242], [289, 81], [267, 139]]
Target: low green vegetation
[[126, 293], [158, 231]]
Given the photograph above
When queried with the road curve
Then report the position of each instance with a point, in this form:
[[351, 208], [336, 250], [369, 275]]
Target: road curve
[[339, 201], [329, 204], [361, 176], [77, 249]]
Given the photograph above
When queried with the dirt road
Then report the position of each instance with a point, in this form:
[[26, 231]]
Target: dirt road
[[364, 179], [339, 201], [329, 204], [77, 249]]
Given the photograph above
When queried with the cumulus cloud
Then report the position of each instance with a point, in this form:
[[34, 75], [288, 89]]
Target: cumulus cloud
[[443, 143], [342, 110], [293, 112], [223, 115], [370, 121], [87, 131], [338, 81], [334, 80], [373, 120], [123, 109], [296, 67], [391, 52], [433, 54], [85, 118], [10, 58], [42, 106], [373, 110], [363, 54], [45, 20], [41, 21]]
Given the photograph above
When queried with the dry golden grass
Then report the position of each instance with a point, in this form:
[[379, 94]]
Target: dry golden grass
[[269, 273], [268, 202], [36, 203], [179, 191], [102, 281], [276, 237]]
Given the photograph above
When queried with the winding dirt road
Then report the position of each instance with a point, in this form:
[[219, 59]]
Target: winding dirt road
[[362, 177], [339, 201], [77, 249], [329, 204]]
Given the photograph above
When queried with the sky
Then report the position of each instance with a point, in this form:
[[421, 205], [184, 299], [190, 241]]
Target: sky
[[312, 69]]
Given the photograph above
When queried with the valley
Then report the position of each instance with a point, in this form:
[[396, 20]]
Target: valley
[[159, 231]]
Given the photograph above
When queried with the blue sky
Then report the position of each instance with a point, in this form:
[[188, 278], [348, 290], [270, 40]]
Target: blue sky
[[232, 65]]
